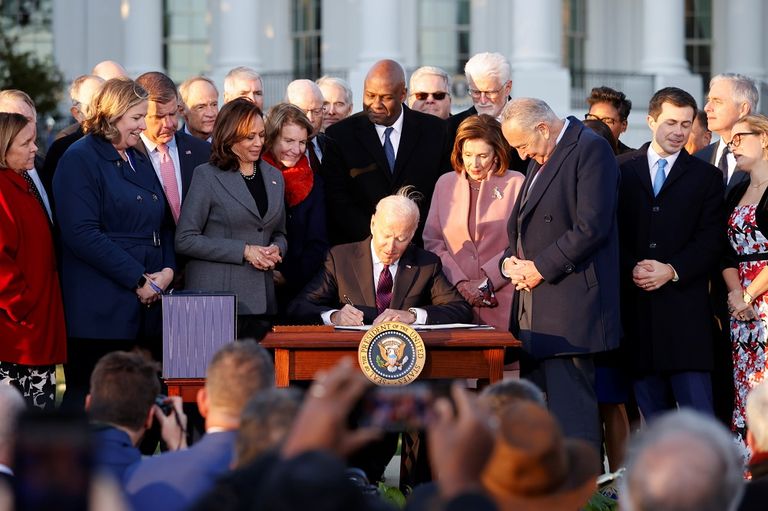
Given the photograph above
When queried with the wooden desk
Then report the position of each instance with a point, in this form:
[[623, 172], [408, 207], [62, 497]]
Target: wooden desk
[[455, 353]]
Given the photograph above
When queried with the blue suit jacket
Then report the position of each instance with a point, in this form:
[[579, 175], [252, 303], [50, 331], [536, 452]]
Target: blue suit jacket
[[174, 480], [107, 213], [114, 451], [567, 226], [708, 155]]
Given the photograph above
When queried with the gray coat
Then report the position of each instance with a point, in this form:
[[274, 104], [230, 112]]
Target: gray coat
[[218, 218]]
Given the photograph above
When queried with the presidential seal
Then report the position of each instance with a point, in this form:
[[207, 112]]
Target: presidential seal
[[391, 354]]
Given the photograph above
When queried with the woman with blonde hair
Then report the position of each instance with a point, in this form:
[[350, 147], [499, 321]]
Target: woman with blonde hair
[[467, 221]]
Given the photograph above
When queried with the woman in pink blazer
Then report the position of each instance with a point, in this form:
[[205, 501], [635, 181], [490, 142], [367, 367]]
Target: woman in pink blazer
[[467, 221]]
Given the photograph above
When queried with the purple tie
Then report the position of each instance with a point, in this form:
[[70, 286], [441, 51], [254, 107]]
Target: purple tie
[[384, 290]]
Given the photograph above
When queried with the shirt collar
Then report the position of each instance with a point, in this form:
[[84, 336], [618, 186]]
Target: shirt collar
[[397, 125], [654, 157], [151, 146]]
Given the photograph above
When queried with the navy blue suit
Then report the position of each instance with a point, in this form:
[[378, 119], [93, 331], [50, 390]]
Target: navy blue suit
[[113, 450], [174, 480]]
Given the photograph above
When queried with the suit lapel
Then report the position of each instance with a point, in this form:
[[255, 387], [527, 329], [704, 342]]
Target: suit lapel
[[275, 192], [409, 139], [407, 271], [678, 169], [185, 155], [639, 165], [366, 133], [232, 182], [364, 272], [142, 173]]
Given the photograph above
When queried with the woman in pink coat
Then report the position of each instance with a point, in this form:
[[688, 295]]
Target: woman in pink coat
[[467, 221]]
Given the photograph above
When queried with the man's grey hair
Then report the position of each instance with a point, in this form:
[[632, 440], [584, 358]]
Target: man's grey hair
[[77, 83], [757, 416], [186, 84], [493, 65], [401, 205], [237, 73], [427, 71], [684, 461], [744, 88], [528, 112], [298, 88], [332, 80], [15, 96]]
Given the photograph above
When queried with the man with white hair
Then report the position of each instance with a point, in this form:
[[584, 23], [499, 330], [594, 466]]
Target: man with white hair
[[306, 95], [337, 99], [684, 461], [756, 492], [244, 82], [200, 106], [430, 91]]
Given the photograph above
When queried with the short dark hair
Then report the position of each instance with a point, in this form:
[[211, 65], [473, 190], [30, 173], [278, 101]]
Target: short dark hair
[[487, 129], [607, 95], [123, 389], [673, 95], [160, 87], [232, 125]]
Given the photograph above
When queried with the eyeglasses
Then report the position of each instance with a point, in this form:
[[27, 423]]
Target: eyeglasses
[[316, 111], [609, 121], [439, 96], [490, 94], [736, 139]]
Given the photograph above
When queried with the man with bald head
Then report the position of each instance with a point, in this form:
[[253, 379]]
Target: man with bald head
[[306, 95], [381, 149], [108, 69]]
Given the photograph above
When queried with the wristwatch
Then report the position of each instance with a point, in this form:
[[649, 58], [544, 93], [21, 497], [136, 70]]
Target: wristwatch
[[142, 281], [747, 297]]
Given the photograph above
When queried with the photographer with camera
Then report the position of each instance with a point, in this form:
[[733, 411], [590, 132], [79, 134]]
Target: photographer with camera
[[123, 403]]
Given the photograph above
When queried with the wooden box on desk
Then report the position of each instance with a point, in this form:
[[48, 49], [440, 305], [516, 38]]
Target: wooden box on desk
[[195, 326]]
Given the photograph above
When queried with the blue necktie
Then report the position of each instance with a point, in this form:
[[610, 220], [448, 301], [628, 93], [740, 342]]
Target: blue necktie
[[389, 151], [658, 181]]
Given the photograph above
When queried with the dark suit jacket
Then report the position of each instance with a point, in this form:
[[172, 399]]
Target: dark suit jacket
[[113, 450], [567, 226], [174, 480], [192, 153], [348, 271], [52, 157], [357, 175], [708, 155], [452, 125], [756, 490], [670, 329]]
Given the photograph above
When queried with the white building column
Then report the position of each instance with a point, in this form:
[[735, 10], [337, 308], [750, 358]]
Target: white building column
[[745, 43], [379, 39], [236, 33], [537, 69], [664, 46], [142, 36]]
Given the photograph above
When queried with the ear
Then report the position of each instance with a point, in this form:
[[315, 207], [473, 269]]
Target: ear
[[150, 417], [372, 221], [651, 122], [75, 113], [203, 404], [624, 124], [744, 109], [751, 440], [507, 88], [87, 402]]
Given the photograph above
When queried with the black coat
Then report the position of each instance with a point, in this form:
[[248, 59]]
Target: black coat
[[669, 329]]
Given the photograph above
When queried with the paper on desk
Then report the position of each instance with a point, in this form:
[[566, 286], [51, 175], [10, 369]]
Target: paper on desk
[[444, 326]]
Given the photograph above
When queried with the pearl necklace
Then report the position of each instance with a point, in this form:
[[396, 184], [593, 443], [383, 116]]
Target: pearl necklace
[[249, 177]]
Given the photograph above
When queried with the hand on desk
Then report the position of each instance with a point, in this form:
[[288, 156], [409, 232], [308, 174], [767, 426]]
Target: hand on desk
[[347, 316], [406, 317]]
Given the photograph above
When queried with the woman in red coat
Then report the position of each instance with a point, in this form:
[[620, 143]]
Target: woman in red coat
[[31, 311]]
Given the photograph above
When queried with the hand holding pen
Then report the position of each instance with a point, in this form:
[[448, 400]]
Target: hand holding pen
[[348, 315]]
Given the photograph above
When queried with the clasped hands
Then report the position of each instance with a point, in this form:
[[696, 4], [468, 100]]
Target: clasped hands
[[650, 275], [470, 291], [162, 279], [738, 308], [262, 258], [349, 315], [522, 273]]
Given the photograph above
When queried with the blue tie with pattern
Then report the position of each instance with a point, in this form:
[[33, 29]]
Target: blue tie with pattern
[[658, 181], [389, 151]]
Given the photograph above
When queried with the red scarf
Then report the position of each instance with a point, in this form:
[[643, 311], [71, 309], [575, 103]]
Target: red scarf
[[299, 179]]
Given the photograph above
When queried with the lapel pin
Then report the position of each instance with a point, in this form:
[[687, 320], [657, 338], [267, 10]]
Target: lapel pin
[[497, 194], [274, 182], [408, 266], [139, 198], [187, 152]]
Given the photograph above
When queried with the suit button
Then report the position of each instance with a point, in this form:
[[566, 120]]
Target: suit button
[[547, 218], [569, 268], [652, 245], [655, 209], [259, 229]]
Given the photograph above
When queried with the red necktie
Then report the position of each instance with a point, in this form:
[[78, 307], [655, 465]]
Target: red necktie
[[384, 290], [171, 187]]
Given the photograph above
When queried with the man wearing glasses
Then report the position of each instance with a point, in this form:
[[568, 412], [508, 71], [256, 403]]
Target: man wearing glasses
[[306, 95], [430, 94], [611, 107], [489, 81]]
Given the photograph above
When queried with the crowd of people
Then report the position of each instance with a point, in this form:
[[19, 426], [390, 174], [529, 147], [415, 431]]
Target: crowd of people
[[634, 278]]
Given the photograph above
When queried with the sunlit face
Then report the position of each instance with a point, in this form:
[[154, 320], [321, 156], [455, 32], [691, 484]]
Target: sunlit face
[[290, 145], [162, 120], [391, 236], [489, 94], [747, 145], [425, 87], [671, 128], [250, 89], [312, 106], [609, 114], [248, 150], [20, 155], [722, 110], [335, 102], [130, 126], [479, 158], [383, 99], [201, 109], [537, 144]]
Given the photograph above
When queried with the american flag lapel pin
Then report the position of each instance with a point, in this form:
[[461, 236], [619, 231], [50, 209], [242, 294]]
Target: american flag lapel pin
[[187, 152]]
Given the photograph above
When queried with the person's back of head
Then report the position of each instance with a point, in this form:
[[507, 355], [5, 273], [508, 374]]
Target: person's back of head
[[123, 389], [237, 372], [500, 395], [684, 461]]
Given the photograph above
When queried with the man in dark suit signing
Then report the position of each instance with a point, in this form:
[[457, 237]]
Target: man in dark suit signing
[[671, 227], [381, 149], [382, 278], [563, 259]]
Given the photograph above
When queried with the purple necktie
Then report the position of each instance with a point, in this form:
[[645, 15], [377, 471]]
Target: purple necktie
[[384, 290]]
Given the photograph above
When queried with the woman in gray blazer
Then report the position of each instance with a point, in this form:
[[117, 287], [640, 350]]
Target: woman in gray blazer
[[232, 223]]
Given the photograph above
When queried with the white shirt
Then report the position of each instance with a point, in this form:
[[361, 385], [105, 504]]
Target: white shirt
[[156, 157], [566, 122], [318, 152], [41, 189], [394, 137], [653, 162], [731, 159]]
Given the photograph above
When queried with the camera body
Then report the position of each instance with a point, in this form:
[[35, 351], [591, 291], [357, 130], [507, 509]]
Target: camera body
[[164, 404]]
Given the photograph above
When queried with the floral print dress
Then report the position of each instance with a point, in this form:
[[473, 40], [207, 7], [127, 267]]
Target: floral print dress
[[748, 337]]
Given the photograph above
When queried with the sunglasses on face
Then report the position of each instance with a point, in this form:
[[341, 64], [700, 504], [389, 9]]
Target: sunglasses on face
[[439, 96]]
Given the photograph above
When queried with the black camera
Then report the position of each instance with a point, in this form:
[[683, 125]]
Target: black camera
[[164, 403]]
